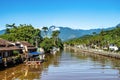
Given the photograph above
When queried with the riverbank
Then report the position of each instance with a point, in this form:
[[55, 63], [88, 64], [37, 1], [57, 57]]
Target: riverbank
[[96, 51]]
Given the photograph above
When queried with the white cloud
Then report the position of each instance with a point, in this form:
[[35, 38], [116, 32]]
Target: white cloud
[[56, 29]]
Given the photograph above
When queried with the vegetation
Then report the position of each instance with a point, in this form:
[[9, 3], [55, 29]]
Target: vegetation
[[45, 29], [47, 44], [22, 33], [16, 53], [54, 41], [28, 33], [101, 40]]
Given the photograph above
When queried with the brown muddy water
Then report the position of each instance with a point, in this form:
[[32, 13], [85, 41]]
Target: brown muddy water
[[67, 66]]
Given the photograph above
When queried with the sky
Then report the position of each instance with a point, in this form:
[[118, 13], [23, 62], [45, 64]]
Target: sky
[[76, 14]]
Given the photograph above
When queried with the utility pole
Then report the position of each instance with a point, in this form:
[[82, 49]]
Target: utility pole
[[36, 42]]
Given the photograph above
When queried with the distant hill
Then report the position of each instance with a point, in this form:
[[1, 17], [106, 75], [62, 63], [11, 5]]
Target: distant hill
[[67, 33], [2, 31]]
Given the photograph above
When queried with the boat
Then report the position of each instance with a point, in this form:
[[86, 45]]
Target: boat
[[35, 58]]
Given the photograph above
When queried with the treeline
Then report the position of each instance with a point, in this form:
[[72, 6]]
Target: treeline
[[28, 33], [101, 40]]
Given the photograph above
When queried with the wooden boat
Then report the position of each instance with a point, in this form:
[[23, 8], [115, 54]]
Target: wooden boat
[[35, 58], [33, 62]]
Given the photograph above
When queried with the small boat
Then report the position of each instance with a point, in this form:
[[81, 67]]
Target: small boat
[[33, 62], [35, 58]]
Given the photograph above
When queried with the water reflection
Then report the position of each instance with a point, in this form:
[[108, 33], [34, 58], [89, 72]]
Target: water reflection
[[97, 58], [21, 72], [67, 65]]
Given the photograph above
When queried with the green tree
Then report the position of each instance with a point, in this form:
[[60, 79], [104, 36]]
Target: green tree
[[54, 41], [23, 32], [47, 44], [103, 39], [55, 35], [45, 29]]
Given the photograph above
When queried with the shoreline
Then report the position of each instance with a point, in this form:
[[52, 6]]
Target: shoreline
[[96, 52]]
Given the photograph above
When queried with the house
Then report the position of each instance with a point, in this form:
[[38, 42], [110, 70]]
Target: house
[[7, 48], [8, 53], [25, 46], [113, 47]]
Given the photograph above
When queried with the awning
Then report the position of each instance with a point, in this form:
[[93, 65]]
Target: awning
[[35, 53]]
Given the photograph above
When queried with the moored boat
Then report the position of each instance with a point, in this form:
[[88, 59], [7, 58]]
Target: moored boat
[[35, 58]]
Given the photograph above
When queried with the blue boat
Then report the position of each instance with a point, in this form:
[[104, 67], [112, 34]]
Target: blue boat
[[35, 58]]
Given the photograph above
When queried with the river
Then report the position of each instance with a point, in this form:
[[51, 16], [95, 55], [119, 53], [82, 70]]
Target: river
[[67, 65]]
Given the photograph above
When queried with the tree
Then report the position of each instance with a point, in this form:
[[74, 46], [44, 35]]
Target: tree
[[103, 39], [55, 35], [47, 44], [57, 41], [54, 41], [45, 29], [94, 33], [23, 32], [8, 26], [11, 25]]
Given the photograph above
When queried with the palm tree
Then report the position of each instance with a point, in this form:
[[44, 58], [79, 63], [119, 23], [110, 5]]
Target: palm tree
[[45, 29], [94, 33], [55, 35], [10, 26]]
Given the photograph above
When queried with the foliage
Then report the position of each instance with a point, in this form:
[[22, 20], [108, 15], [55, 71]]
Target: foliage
[[55, 36], [57, 41], [59, 44], [45, 29], [15, 53], [47, 44], [28, 33], [54, 41], [104, 39], [22, 33]]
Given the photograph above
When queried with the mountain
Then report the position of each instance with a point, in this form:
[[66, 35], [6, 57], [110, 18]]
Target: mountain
[[67, 33], [2, 31]]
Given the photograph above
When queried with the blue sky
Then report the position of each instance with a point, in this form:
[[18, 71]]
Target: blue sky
[[77, 14]]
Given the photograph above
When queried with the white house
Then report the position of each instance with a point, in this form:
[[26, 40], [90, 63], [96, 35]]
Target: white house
[[113, 47]]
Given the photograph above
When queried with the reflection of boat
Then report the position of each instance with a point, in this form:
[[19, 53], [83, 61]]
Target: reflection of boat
[[35, 58]]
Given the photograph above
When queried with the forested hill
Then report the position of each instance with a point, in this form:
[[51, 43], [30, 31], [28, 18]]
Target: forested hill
[[2, 31], [67, 33], [104, 38]]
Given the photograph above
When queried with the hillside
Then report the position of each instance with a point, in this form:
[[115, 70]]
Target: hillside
[[67, 33], [101, 40], [2, 32]]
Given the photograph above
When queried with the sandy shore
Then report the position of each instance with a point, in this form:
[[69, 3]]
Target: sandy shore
[[97, 51]]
